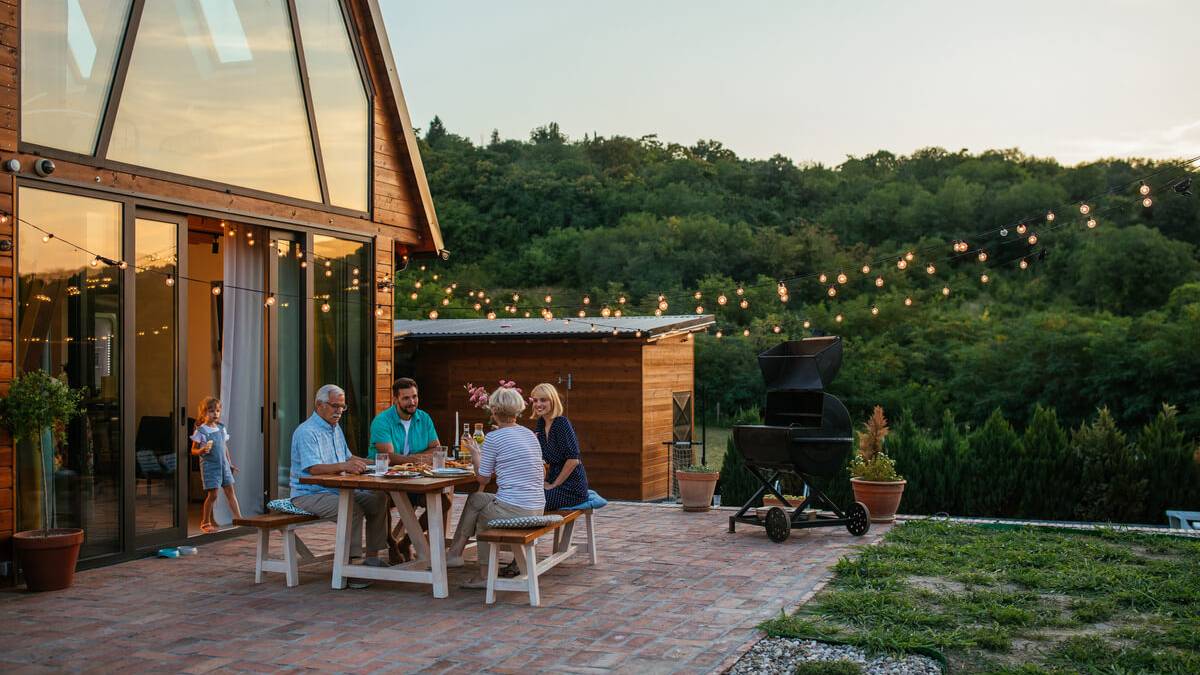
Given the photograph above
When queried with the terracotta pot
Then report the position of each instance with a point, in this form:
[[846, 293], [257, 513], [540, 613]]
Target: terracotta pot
[[48, 561], [696, 489], [881, 498]]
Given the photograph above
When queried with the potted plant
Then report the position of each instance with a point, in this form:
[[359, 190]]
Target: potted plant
[[37, 410], [696, 486], [873, 474]]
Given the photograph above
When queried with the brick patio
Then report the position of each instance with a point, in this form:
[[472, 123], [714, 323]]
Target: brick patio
[[674, 592]]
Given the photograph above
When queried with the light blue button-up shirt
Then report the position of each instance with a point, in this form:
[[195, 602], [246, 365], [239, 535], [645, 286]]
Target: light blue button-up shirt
[[314, 442]]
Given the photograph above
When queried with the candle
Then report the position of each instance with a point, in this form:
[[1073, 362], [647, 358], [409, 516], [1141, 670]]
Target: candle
[[454, 431]]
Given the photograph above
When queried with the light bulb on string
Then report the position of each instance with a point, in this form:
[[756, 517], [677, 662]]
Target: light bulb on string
[[491, 316], [841, 277], [822, 278], [445, 302], [329, 273], [1085, 209], [983, 256], [719, 334], [874, 310], [548, 298], [303, 264], [784, 298], [1024, 264], [699, 309], [616, 332], [1022, 228], [47, 237], [866, 269], [435, 277], [661, 298], [516, 297], [170, 280], [662, 305], [930, 269], [722, 300], [617, 313], [413, 295], [1033, 239], [1143, 189], [325, 308], [1091, 223], [908, 302], [781, 289], [740, 291], [477, 306], [983, 278], [945, 290], [909, 256], [416, 284], [433, 314], [587, 300], [1049, 216], [838, 318], [378, 311], [621, 300], [270, 301], [527, 314], [637, 333], [807, 324], [582, 313], [657, 312], [697, 295], [901, 263], [879, 282], [1004, 232], [606, 312], [1147, 202], [776, 328], [744, 303], [592, 327], [216, 290], [832, 291]]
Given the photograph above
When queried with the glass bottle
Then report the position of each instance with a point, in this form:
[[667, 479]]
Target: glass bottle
[[479, 433], [464, 451]]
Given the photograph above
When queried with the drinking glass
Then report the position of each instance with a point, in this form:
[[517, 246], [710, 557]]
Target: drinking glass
[[439, 457], [381, 462]]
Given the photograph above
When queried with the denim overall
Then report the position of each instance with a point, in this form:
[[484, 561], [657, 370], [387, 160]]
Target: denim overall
[[214, 470]]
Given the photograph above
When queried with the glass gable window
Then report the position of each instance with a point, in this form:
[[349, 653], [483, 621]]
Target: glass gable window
[[68, 56], [213, 91], [339, 101]]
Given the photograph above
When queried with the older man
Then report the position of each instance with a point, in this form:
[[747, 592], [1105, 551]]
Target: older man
[[319, 448]]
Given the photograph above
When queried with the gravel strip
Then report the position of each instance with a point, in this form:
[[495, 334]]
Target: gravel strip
[[782, 655]]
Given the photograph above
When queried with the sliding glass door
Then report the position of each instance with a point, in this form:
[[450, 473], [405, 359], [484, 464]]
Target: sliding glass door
[[287, 389]]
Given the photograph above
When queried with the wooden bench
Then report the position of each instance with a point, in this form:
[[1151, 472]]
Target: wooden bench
[[523, 543], [295, 553]]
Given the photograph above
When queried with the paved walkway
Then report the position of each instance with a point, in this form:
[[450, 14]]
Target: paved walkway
[[674, 592]]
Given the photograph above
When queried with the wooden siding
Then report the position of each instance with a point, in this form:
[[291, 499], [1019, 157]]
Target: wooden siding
[[604, 402], [667, 367], [398, 220]]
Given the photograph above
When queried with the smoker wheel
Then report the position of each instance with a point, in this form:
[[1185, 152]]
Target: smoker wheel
[[778, 527], [858, 519]]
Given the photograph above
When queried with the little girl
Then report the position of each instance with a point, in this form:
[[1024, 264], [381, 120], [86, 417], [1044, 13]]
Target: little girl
[[210, 443]]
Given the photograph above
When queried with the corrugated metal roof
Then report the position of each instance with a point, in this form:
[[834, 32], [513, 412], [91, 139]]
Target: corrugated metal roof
[[626, 327]]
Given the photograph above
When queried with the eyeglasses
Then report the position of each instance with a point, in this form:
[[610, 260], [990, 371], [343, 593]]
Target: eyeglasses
[[336, 406]]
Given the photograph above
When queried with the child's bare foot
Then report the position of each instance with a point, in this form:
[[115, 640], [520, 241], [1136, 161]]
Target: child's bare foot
[[208, 528]]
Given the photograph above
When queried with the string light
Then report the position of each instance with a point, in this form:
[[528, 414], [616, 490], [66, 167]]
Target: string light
[[1147, 202], [866, 269], [662, 305], [1091, 223], [744, 303], [1143, 189], [606, 312], [433, 314], [807, 324], [378, 311], [1085, 209], [874, 310], [719, 334], [445, 302], [325, 308], [1049, 216], [945, 290], [841, 277], [879, 282], [491, 316], [832, 291], [45, 237], [615, 332], [740, 291], [901, 263], [658, 312], [548, 298], [908, 302], [722, 300], [777, 328], [216, 290], [838, 318], [745, 332], [909, 256], [170, 280], [699, 309], [822, 278], [582, 313], [621, 300], [930, 269], [697, 295], [587, 300], [95, 261], [781, 289], [516, 297], [617, 313], [982, 256], [1024, 264], [983, 278], [413, 295], [270, 301], [784, 298], [1033, 239]]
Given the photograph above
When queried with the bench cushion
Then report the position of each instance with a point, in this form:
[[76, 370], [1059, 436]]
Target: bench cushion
[[594, 501], [526, 536], [522, 522], [286, 506]]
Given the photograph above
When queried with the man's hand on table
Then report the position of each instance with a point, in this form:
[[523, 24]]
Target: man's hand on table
[[354, 465]]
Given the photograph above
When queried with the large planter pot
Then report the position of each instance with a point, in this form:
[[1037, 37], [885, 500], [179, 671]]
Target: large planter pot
[[696, 489], [881, 498], [48, 561]]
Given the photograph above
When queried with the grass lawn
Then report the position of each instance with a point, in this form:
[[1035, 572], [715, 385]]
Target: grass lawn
[[714, 446], [1016, 600]]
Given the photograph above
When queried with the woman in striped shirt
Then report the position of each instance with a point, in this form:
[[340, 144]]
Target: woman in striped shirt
[[511, 453], [566, 483]]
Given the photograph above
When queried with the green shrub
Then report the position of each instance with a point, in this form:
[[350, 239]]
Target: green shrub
[[1045, 462], [1107, 471], [989, 483], [737, 484], [841, 667], [1169, 464]]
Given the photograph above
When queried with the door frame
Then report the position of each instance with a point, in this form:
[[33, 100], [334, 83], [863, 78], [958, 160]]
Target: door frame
[[272, 436], [135, 541]]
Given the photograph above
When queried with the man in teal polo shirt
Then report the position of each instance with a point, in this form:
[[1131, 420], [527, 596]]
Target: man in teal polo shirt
[[404, 429]]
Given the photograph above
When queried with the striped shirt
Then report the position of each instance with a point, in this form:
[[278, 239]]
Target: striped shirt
[[514, 456]]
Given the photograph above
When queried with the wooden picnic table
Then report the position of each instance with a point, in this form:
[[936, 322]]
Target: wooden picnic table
[[430, 564]]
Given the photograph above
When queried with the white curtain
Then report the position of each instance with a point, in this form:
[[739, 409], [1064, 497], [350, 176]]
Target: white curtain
[[242, 369]]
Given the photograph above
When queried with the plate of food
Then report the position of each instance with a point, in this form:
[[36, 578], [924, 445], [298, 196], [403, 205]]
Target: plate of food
[[402, 474], [451, 471]]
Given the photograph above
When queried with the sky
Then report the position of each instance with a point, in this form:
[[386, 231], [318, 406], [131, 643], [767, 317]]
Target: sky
[[815, 82]]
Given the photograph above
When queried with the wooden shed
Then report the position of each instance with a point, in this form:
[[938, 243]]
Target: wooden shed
[[627, 386]]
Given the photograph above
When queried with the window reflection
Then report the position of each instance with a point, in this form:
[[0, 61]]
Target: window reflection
[[68, 55], [339, 101], [344, 336], [213, 91], [68, 327]]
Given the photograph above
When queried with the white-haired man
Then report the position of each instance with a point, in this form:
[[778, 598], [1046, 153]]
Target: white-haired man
[[319, 448]]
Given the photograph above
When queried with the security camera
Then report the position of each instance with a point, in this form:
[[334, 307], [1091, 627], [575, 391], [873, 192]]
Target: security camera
[[43, 167]]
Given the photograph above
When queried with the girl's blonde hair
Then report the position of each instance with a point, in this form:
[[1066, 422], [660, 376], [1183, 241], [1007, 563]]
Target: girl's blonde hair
[[506, 403], [548, 391], [202, 410]]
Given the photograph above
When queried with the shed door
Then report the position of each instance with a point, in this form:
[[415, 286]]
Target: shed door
[[681, 434]]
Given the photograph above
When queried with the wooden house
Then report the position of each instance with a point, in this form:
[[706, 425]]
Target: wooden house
[[197, 198], [627, 386]]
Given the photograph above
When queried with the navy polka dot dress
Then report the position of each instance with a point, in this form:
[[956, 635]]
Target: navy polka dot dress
[[557, 447]]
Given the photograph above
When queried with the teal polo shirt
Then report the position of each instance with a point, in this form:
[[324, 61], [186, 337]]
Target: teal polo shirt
[[386, 428]]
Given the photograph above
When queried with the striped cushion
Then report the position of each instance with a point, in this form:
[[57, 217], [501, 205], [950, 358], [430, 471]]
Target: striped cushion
[[286, 506], [523, 522]]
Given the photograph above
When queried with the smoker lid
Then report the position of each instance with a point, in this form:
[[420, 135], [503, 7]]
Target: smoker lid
[[809, 364]]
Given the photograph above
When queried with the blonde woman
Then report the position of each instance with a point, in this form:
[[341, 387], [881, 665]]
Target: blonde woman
[[566, 483], [510, 453]]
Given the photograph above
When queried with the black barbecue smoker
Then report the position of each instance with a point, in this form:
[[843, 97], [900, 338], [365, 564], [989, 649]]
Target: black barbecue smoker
[[807, 432]]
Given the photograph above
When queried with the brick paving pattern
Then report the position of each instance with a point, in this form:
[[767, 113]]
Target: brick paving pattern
[[674, 593]]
